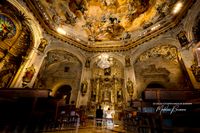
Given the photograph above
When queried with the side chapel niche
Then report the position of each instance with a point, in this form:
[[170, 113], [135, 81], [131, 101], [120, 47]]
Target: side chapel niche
[[161, 66], [15, 42], [107, 84], [60, 68]]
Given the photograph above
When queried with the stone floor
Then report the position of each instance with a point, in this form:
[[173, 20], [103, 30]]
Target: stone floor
[[91, 128], [88, 130]]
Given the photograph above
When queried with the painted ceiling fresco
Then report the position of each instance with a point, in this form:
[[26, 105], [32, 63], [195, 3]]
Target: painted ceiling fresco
[[103, 20], [104, 23]]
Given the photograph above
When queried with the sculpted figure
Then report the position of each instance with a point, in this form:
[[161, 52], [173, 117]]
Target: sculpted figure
[[130, 87], [43, 44]]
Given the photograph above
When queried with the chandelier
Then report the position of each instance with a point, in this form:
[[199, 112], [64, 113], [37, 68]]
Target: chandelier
[[104, 61]]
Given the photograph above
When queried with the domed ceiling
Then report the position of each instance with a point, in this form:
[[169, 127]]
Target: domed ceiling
[[103, 25]]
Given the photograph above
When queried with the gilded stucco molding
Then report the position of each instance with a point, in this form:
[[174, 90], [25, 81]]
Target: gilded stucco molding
[[166, 52]]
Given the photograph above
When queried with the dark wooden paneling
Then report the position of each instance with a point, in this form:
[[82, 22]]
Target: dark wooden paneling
[[23, 92], [182, 95]]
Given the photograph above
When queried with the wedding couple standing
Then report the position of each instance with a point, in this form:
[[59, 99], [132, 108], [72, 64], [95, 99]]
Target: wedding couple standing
[[104, 116]]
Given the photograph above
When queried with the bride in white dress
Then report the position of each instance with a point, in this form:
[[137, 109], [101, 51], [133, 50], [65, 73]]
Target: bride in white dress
[[109, 117]]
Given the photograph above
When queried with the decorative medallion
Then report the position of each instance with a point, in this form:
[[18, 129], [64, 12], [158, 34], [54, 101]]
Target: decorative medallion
[[7, 27]]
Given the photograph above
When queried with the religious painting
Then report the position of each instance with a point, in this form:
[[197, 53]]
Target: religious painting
[[30, 71], [7, 27], [93, 95], [119, 95], [182, 38]]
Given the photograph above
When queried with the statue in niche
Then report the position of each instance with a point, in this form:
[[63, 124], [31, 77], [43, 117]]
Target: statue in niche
[[129, 87], [127, 61], [93, 95], [119, 95], [107, 71], [87, 63], [43, 44], [84, 87]]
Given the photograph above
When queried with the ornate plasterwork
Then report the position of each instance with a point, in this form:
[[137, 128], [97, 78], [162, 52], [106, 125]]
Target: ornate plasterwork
[[165, 52], [59, 56]]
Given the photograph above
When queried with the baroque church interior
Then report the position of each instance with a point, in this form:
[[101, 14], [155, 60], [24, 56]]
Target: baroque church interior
[[139, 58]]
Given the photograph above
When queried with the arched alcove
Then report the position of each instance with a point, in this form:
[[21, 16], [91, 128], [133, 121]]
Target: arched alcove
[[60, 68], [64, 91], [159, 65]]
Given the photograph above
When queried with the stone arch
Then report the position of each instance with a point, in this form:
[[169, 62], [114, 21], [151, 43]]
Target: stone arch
[[33, 24], [190, 20], [120, 58]]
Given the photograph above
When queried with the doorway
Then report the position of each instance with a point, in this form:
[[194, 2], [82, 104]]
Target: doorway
[[64, 92], [155, 85]]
